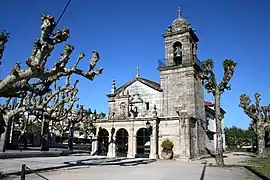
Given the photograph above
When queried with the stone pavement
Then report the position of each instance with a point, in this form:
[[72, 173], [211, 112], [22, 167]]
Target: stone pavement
[[11, 166], [99, 167], [159, 170]]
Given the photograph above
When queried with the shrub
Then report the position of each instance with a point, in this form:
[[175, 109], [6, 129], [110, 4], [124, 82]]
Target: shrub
[[167, 144]]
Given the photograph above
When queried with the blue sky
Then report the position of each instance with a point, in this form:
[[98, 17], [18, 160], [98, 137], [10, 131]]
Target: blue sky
[[127, 34]]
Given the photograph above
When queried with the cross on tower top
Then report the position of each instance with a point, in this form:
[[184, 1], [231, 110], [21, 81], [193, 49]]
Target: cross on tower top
[[179, 12], [138, 71]]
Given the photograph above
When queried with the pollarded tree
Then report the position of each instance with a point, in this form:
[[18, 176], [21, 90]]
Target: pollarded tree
[[42, 106], [37, 79], [217, 90], [56, 111], [260, 116], [36, 74]]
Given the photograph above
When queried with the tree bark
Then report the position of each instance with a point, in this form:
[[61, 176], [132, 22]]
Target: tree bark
[[5, 136], [45, 135], [261, 142], [219, 139], [71, 135], [8, 132]]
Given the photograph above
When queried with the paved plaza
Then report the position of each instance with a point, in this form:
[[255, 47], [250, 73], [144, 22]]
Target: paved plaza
[[160, 170], [99, 167]]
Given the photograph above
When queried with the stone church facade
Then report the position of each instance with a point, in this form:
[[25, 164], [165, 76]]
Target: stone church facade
[[143, 113]]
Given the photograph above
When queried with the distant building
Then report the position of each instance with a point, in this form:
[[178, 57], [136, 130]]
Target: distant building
[[211, 127]]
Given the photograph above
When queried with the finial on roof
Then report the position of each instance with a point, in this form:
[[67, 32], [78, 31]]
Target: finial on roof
[[138, 72], [113, 87], [179, 12]]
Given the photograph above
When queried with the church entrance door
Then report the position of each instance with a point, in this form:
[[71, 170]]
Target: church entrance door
[[121, 142], [103, 142], [143, 143]]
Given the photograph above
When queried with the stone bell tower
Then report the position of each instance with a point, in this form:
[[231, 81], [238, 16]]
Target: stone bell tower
[[181, 85]]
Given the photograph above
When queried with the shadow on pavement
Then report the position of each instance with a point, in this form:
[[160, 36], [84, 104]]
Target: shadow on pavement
[[92, 162], [203, 172], [257, 173], [242, 154]]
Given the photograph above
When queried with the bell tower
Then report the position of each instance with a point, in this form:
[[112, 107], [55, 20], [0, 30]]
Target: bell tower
[[180, 43], [179, 80]]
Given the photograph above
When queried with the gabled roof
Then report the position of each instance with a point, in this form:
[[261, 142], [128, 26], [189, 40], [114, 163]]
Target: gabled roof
[[147, 82]]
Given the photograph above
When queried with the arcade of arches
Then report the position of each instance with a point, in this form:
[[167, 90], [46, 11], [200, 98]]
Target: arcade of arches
[[120, 142]]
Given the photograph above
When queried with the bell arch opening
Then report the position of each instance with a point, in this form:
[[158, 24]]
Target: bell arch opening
[[177, 53]]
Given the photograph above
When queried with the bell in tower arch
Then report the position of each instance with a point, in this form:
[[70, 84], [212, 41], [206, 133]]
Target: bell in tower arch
[[177, 53]]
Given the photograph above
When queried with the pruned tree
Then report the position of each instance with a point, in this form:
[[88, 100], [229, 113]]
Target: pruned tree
[[58, 110], [19, 80], [80, 115], [36, 80], [260, 116], [212, 86], [43, 106]]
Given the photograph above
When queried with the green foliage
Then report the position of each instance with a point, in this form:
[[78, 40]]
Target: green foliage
[[35, 127], [235, 136], [167, 144], [209, 77]]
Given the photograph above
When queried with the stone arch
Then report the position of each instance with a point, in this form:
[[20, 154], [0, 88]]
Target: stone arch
[[121, 142], [143, 143], [103, 141]]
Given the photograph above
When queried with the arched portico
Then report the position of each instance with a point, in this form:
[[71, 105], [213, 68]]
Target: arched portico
[[103, 142], [121, 142], [143, 143]]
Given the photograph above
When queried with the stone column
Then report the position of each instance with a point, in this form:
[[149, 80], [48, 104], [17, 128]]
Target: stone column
[[134, 142], [94, 146], [153, 142], [130, 142], [111, 149]]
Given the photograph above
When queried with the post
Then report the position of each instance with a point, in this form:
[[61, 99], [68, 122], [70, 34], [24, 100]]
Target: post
[[23, 171]]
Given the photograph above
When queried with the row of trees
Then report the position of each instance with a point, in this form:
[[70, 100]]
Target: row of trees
[[259, 114], [237, 138], [260, 120], [38, 90]]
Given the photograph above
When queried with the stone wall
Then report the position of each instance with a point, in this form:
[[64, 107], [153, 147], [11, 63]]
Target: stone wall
[[139, 95]]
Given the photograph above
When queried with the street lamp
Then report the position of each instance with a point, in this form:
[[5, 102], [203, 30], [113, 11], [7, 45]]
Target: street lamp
[[148, 125]]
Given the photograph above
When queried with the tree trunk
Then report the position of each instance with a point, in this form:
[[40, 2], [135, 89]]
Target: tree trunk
[[4, 137], [219, 137], [71, 135], [261, 141], [8, 129], [45, 135], [2, 141]]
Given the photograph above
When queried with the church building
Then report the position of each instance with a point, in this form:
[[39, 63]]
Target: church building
[[143, 113]]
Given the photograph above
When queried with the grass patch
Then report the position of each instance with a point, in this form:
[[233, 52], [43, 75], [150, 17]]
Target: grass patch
[[261, 164]]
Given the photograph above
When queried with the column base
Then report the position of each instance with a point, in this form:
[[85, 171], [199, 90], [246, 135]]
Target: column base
[[111, 154], [130, 156], [153, 156]]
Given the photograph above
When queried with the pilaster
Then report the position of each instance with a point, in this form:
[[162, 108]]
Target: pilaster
[[111, 149]]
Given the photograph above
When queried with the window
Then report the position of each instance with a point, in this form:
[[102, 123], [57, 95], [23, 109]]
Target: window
[[147, 105]]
